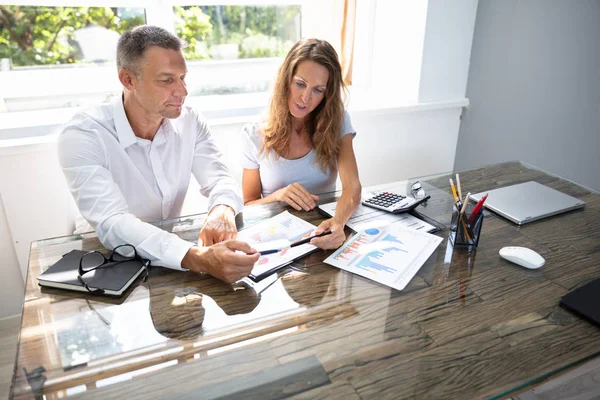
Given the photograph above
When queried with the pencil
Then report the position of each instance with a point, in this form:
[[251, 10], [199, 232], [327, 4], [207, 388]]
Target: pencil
[[465, 229], [462, 217], [458, 188], [453, 191]]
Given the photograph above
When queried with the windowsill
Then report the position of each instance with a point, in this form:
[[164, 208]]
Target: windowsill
[[216, 107], [220, 110]]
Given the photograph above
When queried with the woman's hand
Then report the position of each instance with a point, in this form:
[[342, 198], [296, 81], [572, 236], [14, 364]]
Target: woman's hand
[[296, 196], [333, 241]]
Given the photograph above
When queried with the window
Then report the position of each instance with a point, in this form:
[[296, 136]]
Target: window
[[54, 56], [231, 32], [50, 36], [235, 47], [257, 36]]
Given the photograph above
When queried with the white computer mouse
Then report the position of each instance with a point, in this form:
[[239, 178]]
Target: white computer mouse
[[522, 256]]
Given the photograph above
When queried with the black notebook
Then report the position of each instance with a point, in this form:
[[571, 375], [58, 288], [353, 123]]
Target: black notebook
[[584, 301], [113, 279]]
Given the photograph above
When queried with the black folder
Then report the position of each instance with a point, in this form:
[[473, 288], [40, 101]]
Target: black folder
[[584, 301], [113, 279]]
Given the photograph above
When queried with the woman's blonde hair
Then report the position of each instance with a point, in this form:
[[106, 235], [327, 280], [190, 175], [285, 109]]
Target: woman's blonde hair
[[324, 123]]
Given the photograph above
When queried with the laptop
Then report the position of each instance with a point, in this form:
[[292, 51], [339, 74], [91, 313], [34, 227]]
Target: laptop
[[527, 202], [584, 301]]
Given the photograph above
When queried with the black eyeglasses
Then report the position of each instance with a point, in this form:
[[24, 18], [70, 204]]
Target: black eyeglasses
[[417, 190], [93, 260]]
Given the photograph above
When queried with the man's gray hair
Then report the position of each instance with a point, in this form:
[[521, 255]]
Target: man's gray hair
[[134, 42]]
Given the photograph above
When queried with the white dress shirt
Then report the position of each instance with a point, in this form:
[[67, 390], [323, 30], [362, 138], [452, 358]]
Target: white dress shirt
[[120, 181]]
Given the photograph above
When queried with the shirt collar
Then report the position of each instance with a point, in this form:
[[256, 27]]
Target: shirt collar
[[125, 133], [169, 126]]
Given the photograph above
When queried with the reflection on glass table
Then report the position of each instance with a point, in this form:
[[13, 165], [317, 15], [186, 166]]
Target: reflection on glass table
[[468, 325]]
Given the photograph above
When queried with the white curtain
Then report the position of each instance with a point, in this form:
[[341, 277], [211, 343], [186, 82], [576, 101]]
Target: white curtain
[[334, 21]]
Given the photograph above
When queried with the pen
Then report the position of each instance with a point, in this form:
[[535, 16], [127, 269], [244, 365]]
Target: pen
[[458, 188], [479, 204], [308, 239], [477, 209], [298, 243], [266, 252]]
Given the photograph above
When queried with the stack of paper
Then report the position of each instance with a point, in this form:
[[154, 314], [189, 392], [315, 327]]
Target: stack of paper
[[367, 217]]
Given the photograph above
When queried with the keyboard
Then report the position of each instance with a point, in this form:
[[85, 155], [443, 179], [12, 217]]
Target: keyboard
[[393, 202]]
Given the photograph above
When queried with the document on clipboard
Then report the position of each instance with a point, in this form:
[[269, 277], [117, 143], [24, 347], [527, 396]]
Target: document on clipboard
[[367, 217], [282, 226]]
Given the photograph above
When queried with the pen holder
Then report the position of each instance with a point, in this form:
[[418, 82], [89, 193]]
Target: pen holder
[[466, 227]]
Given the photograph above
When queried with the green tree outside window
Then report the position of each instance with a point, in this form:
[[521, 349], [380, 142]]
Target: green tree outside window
[[36, 35]]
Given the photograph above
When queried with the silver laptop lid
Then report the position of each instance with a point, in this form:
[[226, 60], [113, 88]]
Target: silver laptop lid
[[527, 202]]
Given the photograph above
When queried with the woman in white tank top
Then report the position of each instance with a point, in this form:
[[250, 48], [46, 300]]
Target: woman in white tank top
[[297, 150]]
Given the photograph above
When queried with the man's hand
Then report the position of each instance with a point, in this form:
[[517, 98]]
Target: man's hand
[[333, 241], [219, 226], [296, 196], [228, 261]]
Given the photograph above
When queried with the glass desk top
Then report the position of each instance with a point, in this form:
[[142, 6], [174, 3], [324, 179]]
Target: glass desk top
[[469, 324]]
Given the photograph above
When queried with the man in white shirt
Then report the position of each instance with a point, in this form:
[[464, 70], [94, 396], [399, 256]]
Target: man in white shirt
[[129, 162]]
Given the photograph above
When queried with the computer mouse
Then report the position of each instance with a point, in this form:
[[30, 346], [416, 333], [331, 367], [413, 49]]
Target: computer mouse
[[522, 256]]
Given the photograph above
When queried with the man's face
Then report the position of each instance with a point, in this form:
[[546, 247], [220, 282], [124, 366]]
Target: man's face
[[160, 85]]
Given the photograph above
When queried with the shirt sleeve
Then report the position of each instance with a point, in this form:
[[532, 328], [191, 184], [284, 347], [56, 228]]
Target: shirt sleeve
[[216, 181], [347, 127], [82, 157], [250, 151]]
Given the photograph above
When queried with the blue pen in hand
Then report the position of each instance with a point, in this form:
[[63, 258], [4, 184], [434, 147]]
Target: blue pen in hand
[[267, 252]]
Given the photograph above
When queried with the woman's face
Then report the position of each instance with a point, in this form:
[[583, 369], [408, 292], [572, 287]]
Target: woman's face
[[307, 88]]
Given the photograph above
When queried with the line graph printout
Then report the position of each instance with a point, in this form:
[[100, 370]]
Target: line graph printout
[[282, 228], [391, 255], [366, 217]]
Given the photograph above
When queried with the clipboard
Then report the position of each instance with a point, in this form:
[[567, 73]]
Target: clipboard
[[259, 277], [282, 226]]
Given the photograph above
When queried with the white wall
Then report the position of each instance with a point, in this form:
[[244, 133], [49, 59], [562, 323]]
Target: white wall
[[447, 49], [534, 88], [11, 284], [35, 196]]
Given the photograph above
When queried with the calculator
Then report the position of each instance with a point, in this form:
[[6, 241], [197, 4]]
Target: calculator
[[393, 202]]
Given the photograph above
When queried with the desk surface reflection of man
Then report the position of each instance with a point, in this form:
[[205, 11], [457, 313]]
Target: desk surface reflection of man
[[130, 161]]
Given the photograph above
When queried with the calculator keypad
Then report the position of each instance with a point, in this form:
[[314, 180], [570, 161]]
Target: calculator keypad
[[387, 201]]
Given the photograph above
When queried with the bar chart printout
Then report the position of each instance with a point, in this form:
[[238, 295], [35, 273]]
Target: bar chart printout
[[390, 255]]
